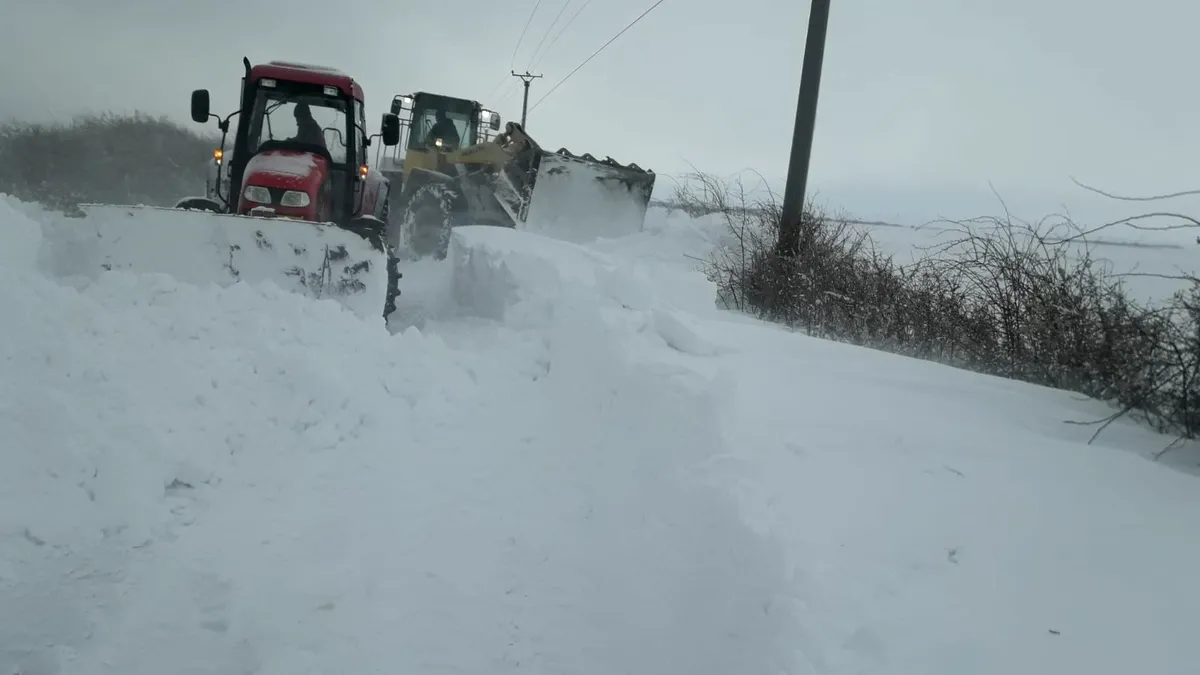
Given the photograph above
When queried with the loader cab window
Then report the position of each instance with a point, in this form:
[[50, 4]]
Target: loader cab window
[[459, 115], [299, 113]]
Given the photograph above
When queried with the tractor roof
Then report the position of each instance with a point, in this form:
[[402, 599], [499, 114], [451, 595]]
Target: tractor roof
[[308, 74]]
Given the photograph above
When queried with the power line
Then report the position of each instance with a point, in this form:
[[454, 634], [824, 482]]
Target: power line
[[560, 32], [508, 91], [631, 25], [496, 88], [545, 35], [505, 79], [513, 63]]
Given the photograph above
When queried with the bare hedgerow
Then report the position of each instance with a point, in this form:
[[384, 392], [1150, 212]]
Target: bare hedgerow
[[999, 296], [109, 158], [750, 277]]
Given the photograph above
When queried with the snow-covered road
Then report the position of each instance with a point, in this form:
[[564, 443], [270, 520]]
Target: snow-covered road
[[570, 462]]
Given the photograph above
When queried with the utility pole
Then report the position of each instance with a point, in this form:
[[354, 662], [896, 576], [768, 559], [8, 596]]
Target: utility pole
[[526, 78], [802, 137]]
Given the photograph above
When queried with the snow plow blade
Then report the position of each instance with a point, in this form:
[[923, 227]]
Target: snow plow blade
[[579, 198], [318, 260]]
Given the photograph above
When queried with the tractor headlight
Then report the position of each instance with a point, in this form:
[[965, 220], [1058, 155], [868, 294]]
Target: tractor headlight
[[294, 198], [257, 194]]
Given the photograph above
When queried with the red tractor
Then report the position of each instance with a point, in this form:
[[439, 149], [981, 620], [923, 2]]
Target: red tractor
[[299, 152]]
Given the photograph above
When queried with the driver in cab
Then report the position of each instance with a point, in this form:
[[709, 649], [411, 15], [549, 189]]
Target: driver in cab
[[445, 130], [307, 128]]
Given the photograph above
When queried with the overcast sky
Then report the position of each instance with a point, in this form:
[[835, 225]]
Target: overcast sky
[[923, 102]]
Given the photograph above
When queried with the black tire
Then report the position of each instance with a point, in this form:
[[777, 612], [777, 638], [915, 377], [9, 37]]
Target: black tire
[[370, 229], [374, 232], [199, 204], [393, 263], [393, 287], [429, 221], [395, 235]]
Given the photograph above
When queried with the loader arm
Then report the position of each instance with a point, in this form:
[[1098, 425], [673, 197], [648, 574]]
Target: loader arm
[[498, 152], [482, 154]]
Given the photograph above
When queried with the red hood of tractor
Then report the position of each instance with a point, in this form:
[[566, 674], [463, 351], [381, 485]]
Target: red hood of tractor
[[287, 169]]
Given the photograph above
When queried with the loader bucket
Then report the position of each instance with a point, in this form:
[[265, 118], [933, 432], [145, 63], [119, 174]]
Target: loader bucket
[[578, 198], [319, 260]]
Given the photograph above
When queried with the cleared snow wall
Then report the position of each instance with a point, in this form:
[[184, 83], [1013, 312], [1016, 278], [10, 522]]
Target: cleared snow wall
[[196, 247]]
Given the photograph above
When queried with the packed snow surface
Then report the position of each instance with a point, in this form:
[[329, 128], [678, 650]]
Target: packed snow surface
[[560, 459]]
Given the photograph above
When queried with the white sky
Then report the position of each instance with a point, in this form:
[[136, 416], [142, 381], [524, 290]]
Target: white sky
[[923, 102]]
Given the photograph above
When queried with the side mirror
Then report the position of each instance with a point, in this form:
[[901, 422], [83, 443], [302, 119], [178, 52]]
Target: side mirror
[[494, 123], [396, 106], [391, 129], [200, 106]]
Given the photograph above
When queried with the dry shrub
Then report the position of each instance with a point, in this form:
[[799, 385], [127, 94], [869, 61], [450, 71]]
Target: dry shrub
[[999, 296], [124, 159]]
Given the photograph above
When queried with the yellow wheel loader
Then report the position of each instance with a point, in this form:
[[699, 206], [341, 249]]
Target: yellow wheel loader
[[452, 173]]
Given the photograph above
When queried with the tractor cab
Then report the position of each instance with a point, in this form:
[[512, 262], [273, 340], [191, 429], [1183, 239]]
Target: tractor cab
[[437, 125], [300, 146]]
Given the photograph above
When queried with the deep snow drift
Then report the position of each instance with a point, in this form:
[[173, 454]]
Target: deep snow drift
[[569, 462]]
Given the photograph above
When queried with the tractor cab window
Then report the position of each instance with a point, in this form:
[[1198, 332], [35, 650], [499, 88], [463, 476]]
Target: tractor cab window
[[308, 118], [360, 118], [437, 121]]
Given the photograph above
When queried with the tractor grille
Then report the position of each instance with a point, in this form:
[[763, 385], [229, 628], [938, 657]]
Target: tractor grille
[[276, 195]]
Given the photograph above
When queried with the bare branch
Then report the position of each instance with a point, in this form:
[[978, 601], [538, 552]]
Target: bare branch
[[1153, 198]]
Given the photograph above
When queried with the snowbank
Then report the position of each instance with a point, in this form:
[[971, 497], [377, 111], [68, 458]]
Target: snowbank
[[20, 239], [118, 406], [524, 279], [201, 248]]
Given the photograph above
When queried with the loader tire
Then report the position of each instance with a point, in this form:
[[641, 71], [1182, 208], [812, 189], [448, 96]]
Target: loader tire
[[428, 221]]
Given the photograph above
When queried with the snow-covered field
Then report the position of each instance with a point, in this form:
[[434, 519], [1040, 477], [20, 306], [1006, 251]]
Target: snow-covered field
[[562, 459], [1144, 257]]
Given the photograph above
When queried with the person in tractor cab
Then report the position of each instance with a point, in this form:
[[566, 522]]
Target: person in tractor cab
[[307, 129], [445, 130]]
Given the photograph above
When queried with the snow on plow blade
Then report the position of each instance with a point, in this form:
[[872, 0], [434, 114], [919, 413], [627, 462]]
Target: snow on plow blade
[[578, 198], [318, 260]]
